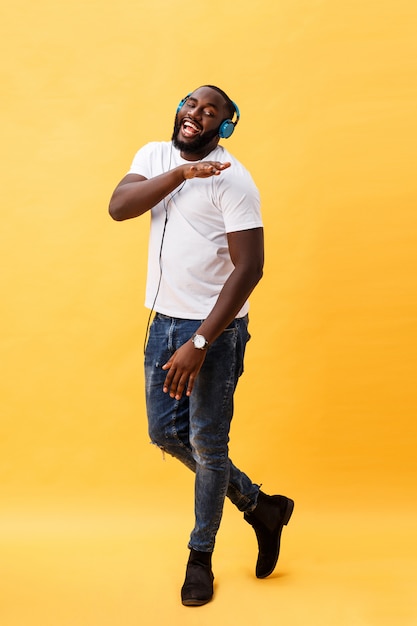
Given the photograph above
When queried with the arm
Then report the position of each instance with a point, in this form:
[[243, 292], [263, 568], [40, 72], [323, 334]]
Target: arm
[[135, 194], [246, 250], [247, 254]]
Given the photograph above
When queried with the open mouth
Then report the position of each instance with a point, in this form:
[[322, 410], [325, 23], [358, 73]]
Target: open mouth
[[190, 129]]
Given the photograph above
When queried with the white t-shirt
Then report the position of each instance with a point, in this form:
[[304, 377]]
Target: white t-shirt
[[189, 263]]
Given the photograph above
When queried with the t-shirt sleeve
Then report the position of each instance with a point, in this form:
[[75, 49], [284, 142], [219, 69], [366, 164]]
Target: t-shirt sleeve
[[142, 160], [239, 200]]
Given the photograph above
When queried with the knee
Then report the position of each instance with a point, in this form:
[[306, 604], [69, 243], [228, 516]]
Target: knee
[[210, 457], [157, 436], [164, 439]]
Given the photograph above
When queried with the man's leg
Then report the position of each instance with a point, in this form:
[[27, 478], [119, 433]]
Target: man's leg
[[211, 411]]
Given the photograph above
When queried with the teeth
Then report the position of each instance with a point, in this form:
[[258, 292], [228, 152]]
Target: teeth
[[191, 125]]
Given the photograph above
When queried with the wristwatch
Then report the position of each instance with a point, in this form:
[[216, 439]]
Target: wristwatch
[[199, 342]]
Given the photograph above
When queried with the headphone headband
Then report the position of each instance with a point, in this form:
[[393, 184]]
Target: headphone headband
[[227, 127]]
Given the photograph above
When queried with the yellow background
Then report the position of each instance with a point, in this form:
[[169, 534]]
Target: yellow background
[[94, 525]]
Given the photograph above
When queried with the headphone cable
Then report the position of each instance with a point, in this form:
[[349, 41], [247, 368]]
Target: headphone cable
[[166, 204]]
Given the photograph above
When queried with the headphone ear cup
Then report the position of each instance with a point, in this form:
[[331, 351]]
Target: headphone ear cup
[[181, 104], [226, 129], [179, 107]]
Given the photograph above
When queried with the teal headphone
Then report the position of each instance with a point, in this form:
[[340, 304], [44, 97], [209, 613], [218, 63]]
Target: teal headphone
[[227, 127]]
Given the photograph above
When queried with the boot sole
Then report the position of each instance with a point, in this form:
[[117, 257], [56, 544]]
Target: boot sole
[[193, 602]]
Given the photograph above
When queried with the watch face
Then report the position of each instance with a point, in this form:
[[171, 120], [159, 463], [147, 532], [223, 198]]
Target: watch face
[[199, 341]]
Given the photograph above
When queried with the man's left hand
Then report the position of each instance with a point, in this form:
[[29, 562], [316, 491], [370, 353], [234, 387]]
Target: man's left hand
[[183, 368]]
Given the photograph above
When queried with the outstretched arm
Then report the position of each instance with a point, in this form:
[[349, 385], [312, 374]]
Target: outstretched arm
[[135, 194], [247, 254]]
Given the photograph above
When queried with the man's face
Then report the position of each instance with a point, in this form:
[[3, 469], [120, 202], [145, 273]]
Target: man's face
[[197, 122]]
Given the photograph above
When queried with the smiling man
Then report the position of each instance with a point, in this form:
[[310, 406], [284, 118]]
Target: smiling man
[[205, 258]]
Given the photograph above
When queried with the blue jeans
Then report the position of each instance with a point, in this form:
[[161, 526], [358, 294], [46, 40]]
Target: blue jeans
[[195, 429]]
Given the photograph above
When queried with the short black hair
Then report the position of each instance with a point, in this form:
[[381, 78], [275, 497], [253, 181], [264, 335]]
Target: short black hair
[[229, 103]]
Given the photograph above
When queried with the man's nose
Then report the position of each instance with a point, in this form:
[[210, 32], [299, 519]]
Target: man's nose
[[196, 113]]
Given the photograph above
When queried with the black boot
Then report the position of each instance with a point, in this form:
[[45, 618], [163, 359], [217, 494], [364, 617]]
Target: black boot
[[269, 517], [198, 585]]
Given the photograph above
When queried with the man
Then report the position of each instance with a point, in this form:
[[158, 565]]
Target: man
[[205, 258]]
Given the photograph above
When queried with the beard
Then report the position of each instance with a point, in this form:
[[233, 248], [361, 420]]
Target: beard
[[195, 145]]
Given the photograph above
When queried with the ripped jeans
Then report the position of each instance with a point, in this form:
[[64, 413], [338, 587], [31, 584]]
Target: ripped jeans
[[195, 429]]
